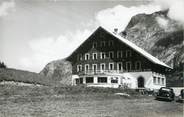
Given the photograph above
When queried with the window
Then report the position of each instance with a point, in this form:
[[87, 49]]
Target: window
[[87, 56], [158, 80], [102, 55], [102, 66], [102, 79], [114, 79], [163, 81], [79, 68], [89, 79], [94, 44], [94, 67], [102, 43], [87, 67], [128, 66], [128, 53], [111, 54], [119, 66], [137, 65], [111, 43], [111, 66], [94, 56], [79, 57], [154, 80], [81, 80], [119, 54]]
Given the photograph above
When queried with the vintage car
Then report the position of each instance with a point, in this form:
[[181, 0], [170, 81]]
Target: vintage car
[[165, 93], [181, 96]]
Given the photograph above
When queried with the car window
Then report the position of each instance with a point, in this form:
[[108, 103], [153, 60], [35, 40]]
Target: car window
[[165, 89]]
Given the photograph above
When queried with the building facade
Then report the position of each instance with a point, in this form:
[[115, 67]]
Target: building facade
[[106, 59]]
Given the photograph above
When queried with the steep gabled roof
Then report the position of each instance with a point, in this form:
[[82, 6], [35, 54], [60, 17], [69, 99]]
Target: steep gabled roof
[[138, 49], [131, 45]]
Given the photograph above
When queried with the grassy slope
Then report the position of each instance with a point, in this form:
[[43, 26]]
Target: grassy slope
[[80, 102], [24, 76]]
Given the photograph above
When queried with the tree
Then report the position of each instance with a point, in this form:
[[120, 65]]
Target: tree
[[2, 65]]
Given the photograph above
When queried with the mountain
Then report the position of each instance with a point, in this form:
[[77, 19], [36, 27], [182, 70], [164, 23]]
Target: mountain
[[163, 38], [157, 34], [59, 70]]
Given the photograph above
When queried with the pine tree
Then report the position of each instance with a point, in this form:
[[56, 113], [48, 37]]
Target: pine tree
[[2, 65]]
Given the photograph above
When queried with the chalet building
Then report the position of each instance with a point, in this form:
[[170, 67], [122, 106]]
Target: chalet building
[[106, 59]]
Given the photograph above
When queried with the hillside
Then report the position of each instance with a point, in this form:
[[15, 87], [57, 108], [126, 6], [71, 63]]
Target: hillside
[[20, 76], [59, 70]]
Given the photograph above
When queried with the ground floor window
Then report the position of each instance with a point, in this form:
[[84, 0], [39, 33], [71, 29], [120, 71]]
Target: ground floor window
[[114, 79], [154, 80], [102, 79], [163, 81], [89, 79], [79, 81]]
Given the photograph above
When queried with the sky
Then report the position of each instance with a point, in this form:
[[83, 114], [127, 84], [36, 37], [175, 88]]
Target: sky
[[35, 32]]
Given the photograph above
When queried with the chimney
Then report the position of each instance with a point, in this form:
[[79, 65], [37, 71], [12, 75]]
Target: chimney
[[115, 30]]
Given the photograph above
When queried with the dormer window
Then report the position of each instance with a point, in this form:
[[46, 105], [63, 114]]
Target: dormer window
[[94, 44], [87, 56], [102, 43]]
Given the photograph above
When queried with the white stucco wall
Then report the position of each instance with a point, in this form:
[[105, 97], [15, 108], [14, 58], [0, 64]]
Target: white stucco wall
[[148, 79], [129, 78]]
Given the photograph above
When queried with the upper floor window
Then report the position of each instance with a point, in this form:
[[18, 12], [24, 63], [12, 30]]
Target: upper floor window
[[102, 43], [128, 65], [86, 67], [128, 53], [87, 56], [79, 68], [119, 66], [79, 56], [111, 43], [111, 54], [94, 56], [94, 67], [137, 65], [102, 55], [94, 44], [111, 66], [119, 54], [102, 66]]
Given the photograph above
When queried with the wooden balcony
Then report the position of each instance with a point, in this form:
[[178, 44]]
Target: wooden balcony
[[97, 72]]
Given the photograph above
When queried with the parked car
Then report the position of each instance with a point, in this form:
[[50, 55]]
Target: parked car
[[165, 93], [181, 96]]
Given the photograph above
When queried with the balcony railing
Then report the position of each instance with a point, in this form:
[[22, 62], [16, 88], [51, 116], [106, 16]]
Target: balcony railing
[[93, 72]]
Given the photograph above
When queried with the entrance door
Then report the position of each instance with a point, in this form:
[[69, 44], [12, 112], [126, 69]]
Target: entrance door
[[140, 82]]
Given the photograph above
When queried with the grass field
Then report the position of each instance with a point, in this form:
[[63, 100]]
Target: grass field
[[81, 102]]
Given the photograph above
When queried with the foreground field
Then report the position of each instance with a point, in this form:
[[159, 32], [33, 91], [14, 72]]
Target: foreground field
[[45, 102]]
